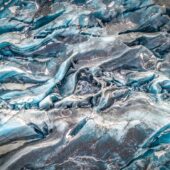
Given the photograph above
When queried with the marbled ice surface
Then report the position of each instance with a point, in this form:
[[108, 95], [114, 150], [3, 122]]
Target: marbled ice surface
[[84, 85]]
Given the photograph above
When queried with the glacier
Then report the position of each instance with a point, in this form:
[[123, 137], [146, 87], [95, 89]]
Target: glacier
[[84, 84]]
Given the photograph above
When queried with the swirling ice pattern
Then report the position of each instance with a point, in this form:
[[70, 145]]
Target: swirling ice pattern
[[84, 84]]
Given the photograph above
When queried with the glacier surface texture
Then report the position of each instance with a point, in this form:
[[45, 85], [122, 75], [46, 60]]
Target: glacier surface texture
[[84, 84]]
